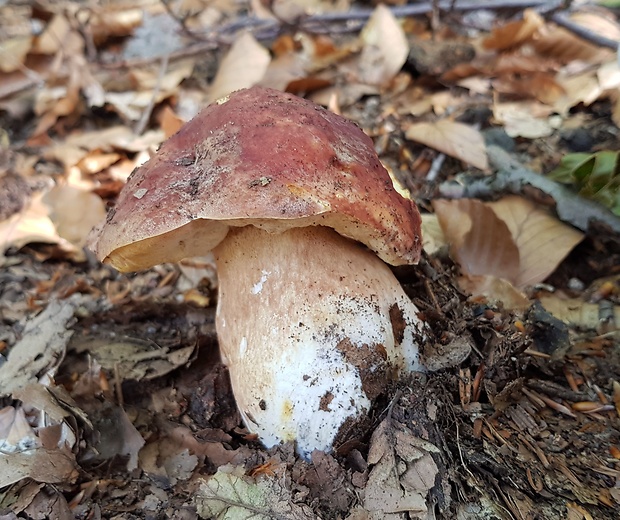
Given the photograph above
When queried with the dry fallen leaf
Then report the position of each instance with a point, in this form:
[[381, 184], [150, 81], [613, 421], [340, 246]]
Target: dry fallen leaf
[[433, 237], [169, 122], [32, 224], [391, 491], [576, 312], [40, 464], [479, 241], [578, 88], [542, 239], [231, 495], [504, 245], [13, 53], [529, 119], [243, 66], [41, 347], [494, 289], [565, 46], [35, 440], [385, 48], [454, 139], [515, 33], [74, 212], [132, 358]]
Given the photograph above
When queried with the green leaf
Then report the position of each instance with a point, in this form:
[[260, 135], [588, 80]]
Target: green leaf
[[573, 167], [595, 176]]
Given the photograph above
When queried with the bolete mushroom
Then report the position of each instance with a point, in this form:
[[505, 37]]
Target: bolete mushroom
[[301, 216]]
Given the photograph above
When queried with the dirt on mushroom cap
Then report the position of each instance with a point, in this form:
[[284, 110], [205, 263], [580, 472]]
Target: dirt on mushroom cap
[[265, 158]]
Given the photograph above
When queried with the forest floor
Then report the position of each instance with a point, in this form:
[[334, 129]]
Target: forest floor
[[504, 120]]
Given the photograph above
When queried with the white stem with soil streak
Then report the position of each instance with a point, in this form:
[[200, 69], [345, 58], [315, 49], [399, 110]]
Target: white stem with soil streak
[[312, 327]]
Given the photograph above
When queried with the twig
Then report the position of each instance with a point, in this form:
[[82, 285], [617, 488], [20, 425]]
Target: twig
[[563, 20], [266, 29], [353, 20], [512, 176], [435, 168], [180, 20], [146, 115]]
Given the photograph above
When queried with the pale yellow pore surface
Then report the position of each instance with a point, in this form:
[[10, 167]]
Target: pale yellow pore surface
[[309, 323]]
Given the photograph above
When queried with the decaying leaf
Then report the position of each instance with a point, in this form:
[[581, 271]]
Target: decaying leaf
[[34, 443], [50, 466], [452, 138], [42, 346], [167, 460], [390, 492], [132, 358], [230, 495]]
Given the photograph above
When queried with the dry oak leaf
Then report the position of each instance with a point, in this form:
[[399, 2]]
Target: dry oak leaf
[[454, 139]]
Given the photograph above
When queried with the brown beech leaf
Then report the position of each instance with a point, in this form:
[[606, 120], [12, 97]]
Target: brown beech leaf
[[454, 139], [543, 241], [480, 241]]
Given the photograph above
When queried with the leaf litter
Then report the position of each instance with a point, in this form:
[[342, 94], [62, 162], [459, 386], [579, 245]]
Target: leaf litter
[[115, 404]]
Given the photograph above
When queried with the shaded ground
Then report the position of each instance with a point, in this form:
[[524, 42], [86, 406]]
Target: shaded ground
[[518, 419]]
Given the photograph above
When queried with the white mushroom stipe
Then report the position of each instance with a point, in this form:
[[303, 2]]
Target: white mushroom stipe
[[327, 330]]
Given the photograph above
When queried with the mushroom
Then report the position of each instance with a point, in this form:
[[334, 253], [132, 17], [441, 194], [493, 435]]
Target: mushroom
[[301, 217]]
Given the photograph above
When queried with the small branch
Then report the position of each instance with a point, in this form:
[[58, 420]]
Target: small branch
[[563, 20], [511, 176], [180, 20], [353, 21]]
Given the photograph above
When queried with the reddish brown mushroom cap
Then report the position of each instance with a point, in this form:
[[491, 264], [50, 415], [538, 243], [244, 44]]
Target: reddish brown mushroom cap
[[265, 158]]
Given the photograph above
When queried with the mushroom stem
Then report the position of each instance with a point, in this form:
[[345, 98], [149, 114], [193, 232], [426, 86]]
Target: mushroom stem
[[313, 326]]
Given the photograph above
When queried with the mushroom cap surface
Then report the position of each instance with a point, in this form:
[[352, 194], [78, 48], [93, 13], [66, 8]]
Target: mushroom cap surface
[[265, 158]]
